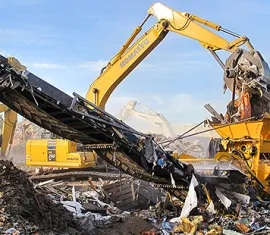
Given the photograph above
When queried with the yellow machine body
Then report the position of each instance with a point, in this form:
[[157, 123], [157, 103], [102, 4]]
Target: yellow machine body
[[248, 143], [57, 153]]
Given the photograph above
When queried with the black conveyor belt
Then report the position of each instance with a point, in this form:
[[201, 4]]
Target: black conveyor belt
[[76, 119]]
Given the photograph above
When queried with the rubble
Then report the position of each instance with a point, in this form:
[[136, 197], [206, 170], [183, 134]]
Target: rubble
[[24, 209], [126, 206]]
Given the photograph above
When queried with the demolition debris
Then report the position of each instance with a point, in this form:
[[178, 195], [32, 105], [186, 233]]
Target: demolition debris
[[126, 206], [26, 210]]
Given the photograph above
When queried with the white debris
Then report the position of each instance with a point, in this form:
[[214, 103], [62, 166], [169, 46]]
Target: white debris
[[12, 231], [191, 199], [46, 182], [175, 220], [90, 194], [230, 232], [243, 198], [211, 208], [226, 201], [74, 207], [172, 180], [77, 206]]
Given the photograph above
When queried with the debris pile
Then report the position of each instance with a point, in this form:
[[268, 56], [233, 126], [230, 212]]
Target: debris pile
[[126, 206], [215, 211], [112, 207], [25, 210], [104, 207]]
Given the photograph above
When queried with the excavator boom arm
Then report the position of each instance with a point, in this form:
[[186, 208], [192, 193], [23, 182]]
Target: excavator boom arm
[[130, 55], [187, 25], [117, 70]]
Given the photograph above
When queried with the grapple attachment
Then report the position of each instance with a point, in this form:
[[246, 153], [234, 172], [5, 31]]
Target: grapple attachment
[[250, 70]]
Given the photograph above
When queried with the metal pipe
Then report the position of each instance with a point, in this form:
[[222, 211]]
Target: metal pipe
[[186, 132], [212, 129], [217, 59], [230, 32], [144, 21], [233, 97]]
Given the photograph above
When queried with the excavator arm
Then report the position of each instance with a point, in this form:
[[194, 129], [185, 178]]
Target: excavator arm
[[155, 118], [132, 53], [187, 25]]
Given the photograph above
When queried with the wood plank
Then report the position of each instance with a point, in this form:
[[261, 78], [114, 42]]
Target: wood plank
[[131, 206], [93, 208], [116, 184], [119, 193], [118, 189], [149, 195], [123, 197]]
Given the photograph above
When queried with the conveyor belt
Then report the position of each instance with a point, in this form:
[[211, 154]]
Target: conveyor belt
[[77, 119]]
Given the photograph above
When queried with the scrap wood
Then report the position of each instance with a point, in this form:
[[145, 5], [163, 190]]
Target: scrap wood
[[188, 226], [44, 183], [147, 233], [94, 208], [243, 228], [92, 185]]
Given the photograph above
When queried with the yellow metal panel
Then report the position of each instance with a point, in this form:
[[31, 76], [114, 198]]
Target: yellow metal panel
[[264, 174], [240, 130]]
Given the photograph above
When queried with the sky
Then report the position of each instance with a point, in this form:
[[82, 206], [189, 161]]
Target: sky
[[68, 42]]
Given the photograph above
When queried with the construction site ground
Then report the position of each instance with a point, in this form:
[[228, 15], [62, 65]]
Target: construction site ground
[[121, 205]]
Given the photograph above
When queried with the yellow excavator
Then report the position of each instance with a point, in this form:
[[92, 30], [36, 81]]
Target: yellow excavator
[[63, 153]]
